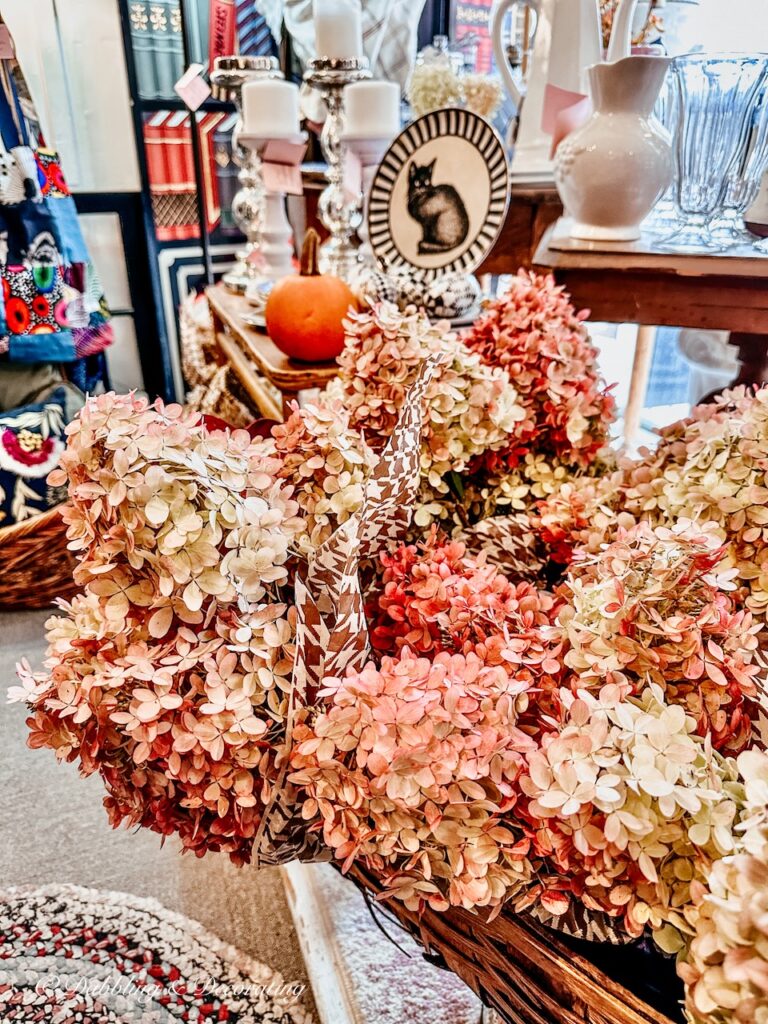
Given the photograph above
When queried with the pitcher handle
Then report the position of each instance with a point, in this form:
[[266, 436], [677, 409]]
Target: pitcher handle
[[496, 29], [620, 42]]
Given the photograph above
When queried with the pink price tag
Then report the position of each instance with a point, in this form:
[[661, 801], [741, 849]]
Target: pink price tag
[[279, 151], [568, 120], [192, 87], [284, 178], [7, 49], [555, 100], [352, 181]]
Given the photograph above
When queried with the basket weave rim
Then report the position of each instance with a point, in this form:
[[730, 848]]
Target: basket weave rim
[[17, 531]]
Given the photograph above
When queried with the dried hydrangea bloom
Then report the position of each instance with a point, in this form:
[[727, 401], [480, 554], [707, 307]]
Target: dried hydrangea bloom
[[725, 967], [579, 514], [440, 598], [655, 607], [166, 515], [712, 466], [535, 334], [433, 84], [626, 805], [470, 408], [181, 729], [327, 463], [412, 768], [482, 93]]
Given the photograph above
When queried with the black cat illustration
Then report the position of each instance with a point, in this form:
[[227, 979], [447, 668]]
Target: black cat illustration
[[439, 209]]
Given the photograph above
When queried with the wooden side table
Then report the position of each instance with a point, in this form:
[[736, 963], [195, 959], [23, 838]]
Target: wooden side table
[[532, 209], [722, 291], [250, 352]]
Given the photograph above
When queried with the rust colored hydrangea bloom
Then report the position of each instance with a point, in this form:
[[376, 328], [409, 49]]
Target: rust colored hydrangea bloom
[[181, 729], [438, 597], [533, 332]]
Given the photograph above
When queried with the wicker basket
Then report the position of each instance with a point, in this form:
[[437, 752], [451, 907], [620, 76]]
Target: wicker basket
[[35, 565], [531, 975]]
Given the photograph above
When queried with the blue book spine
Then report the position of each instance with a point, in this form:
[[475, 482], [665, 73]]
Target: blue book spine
[[168, 47], [142, 39]]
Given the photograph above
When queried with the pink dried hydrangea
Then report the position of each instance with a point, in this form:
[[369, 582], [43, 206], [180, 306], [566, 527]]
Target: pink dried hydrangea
[[534, 333], [470, 408], [440, 598], [181, 729], [327, 463], [412, 768], [170, 674], [656, 607], [626, 806]]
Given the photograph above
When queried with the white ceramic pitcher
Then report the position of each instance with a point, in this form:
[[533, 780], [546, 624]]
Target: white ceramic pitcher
[[567, 41], [611, 171]]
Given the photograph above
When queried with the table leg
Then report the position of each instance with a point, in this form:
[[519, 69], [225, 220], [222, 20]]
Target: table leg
[[753, 358], [638, 385]]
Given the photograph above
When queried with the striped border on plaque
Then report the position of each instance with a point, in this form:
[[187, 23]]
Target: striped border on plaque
[[440, 125]]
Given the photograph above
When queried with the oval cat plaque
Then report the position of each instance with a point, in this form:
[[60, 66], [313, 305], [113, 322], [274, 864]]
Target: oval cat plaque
[[439, 196]]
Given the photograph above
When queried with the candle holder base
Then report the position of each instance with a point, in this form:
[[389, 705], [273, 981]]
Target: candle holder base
[[340, 215], [229, 75], [369, 151], [275, 233]]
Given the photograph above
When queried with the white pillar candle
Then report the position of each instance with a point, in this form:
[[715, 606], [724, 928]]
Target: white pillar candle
[[372, 109], [270, 108], [338, 29]]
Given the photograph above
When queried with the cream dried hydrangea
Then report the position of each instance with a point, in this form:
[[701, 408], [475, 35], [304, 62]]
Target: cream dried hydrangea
[[165, 514], [482, 94], [433, 84], [725, 967], [327, 462], [470, 408], [712, 466], [627, 806]]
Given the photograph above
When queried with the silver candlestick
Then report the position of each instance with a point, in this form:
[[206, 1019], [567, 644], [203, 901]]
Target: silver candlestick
[[341, 216], [228, 77]]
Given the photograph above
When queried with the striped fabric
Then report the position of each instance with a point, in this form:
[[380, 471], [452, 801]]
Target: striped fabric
[[389, 32], [253, 36]]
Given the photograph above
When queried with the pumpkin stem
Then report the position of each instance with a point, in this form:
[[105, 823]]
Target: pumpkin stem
[[309, 264]]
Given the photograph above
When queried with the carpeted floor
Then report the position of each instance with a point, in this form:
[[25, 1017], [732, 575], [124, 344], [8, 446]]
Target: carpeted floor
[[54, 829]]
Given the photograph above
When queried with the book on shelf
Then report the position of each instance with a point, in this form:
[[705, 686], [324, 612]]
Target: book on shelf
[[171, 171], [158, 46]]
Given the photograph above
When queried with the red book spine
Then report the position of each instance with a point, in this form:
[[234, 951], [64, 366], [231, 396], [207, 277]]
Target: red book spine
[[174, 146], [189, 155], [221, 29], [158, 169], [157, 166]]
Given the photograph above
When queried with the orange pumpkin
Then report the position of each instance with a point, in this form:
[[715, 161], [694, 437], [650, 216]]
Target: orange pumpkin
[[304, 312]]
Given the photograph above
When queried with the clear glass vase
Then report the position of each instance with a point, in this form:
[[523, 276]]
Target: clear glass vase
[[743, 183], [717, 97], [663, 218]]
